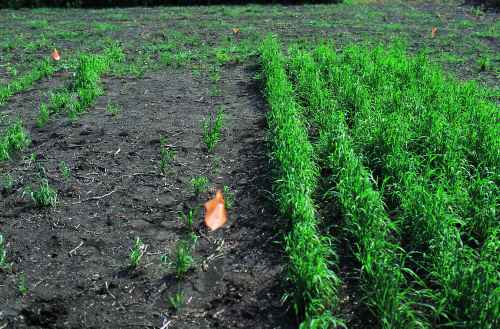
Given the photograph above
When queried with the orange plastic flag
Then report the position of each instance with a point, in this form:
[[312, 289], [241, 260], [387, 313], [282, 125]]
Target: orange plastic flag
[[55, 55], [434, 31], [215, 212]]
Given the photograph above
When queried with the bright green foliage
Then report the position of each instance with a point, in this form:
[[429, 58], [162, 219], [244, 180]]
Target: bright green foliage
[[64, 170], [136, 252], [88, 74], [433, 144], [181, 260], [14, 139], [176, 301], [382, 277], [313, 285], [22, 284], [43, 115], [41, 70], [45, 196], [188, 218], [199, 184], [212, 129]]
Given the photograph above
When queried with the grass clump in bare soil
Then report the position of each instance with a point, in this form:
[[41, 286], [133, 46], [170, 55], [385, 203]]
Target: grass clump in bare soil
[[40, 70], [15, 138]]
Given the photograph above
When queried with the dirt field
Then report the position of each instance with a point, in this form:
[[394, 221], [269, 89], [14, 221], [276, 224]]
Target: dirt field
[[182, 65]]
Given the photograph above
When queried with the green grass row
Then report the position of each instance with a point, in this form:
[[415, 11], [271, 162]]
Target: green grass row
[[313, 284], [434, 143], [86, 86], [383, 277], [384, 120], [41, 70]]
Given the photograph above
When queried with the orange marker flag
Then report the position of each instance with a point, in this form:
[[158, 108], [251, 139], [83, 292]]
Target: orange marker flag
[[55, 55], [434, 31], [215, 212]]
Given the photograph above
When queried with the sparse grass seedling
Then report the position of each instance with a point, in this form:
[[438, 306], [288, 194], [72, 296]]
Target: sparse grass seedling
[[176, 301], [22, 285], [136, 252], [212, 129], [64, 170], [4, 264], [199, 184], [113, 109], [187, 219], [43, 116], [182, 260], [45, 196], [228, 197], [484, 63], [167, 155]]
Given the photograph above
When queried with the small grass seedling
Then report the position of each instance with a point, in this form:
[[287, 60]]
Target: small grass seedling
[[43, 115], [45, 196], [199, 184], [22, 285], [136, 252], [228, 197], [167, 155], [181, 260], [113, 109], [15, 138], [4, 264], [59, 100], [176, 301], [484, 64], [187, 219], [64, 170], [212, 129]]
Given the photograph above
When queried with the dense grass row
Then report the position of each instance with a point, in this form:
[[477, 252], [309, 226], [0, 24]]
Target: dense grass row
[[41, 70], [313, 284], [434, 142], [365, 219], [413, 156]]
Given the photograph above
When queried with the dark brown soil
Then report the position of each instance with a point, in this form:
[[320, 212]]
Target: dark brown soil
[[75, 257]]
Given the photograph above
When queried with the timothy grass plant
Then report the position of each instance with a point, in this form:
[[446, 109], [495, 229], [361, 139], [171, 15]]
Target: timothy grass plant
[[167, 155], [212, 130], [45, 196], [15, 138], [200, 184], [136, 253]]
